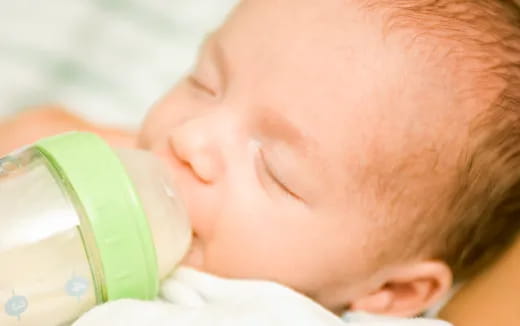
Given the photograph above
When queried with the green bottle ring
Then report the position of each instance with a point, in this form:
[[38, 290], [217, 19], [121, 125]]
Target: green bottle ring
[[109, 207]]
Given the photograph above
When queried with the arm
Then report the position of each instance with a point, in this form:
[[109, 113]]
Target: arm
[[492, 298], [29, 126]]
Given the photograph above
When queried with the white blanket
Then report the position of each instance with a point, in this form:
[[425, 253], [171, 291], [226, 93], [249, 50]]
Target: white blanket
[[194, 298]]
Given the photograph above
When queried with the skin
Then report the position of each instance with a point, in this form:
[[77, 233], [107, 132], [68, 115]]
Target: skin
[[38, 122], [268, 140], [273, 139]]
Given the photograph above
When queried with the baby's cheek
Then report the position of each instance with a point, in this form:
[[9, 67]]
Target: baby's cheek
[[152, 133]]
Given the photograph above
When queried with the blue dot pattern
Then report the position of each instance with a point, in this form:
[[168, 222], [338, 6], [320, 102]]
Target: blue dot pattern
[[77, 286], [16, 306]]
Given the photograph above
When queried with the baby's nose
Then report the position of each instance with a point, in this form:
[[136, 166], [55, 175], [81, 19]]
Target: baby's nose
[[197, 148]]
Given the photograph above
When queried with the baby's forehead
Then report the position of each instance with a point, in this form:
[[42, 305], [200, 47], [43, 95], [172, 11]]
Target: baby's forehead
[[362, 96]]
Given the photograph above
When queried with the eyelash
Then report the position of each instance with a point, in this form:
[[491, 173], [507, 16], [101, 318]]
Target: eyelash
[[201, 86], [275, 179]]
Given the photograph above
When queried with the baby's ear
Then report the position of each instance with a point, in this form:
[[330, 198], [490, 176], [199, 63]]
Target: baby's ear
[[407, 290]]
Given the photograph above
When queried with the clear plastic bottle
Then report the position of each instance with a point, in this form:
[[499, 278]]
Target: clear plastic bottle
[[82, 224]]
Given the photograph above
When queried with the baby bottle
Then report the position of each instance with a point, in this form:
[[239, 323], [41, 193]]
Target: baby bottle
[[81, 224]]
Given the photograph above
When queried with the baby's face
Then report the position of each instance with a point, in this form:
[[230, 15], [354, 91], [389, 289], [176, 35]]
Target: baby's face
[[271, 136]]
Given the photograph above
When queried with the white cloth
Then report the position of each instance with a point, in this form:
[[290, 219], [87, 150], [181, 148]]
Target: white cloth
[[193, 298]]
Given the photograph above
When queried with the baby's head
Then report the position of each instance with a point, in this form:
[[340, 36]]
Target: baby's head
[[361, 152]]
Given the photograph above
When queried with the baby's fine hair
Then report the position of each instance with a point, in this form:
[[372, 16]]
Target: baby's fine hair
[[483, 213]]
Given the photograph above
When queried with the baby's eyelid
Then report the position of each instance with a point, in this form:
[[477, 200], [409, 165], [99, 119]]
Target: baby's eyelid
[[196, 82], [273, 176]]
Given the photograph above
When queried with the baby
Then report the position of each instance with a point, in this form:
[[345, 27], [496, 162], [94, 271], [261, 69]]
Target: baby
[[362, 152]]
